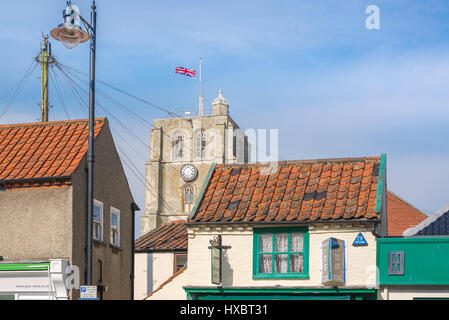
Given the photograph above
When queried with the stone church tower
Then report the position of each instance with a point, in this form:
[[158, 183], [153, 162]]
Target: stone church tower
[[182, 153]]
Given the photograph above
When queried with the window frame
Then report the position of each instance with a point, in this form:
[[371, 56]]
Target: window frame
[[188, 203], [256, 236], [117, 212], [101, 205], [200, 140], [175, 258]]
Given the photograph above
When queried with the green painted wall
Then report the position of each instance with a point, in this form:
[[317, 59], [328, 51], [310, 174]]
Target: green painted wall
[[426, 260]]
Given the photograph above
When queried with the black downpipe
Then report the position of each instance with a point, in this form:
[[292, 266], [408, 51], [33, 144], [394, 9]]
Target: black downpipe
[[134, 207]]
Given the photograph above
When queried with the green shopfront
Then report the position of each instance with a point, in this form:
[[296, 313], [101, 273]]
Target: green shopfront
[[413, 268], [274, 293]]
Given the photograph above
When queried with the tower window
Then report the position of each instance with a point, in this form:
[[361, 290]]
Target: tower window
[[200, 144], [178, 146], [188, 195]]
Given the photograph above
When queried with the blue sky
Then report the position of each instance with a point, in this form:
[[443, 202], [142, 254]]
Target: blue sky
[[309, 68]]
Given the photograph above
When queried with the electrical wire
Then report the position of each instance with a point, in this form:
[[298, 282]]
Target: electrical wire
[[170, 113], [17, 88], [58, 93]]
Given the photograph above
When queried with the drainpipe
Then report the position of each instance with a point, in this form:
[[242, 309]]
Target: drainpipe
[[134, 207]]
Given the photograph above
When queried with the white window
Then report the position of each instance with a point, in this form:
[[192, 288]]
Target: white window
[[188, 194], [178, 146], [98, 220], [115, 227]]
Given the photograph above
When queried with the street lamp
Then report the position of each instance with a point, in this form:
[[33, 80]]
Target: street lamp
[[71, 34]]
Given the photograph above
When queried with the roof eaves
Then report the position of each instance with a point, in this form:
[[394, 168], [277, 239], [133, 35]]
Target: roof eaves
[[304, 222], [149, 250]]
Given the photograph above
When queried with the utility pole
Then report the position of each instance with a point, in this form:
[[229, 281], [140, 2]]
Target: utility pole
[[44, 58]]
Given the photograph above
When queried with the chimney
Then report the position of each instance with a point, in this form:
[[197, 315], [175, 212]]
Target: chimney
[[220, 106]]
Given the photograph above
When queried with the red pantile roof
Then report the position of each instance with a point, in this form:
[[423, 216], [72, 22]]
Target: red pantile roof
[[401, 215], [43, 149], [168, 237], [327, 189]]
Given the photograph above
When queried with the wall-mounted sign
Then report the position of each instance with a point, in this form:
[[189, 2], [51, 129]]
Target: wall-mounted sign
[[333, 262], [396, 263], [88, 293], [360, 241], [216, 259], [216, 266]]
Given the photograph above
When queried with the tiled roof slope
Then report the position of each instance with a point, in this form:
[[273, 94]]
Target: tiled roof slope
[[401, 215], [440, 227], [43, 149], [309, 190], [168, 237], [435, 225]]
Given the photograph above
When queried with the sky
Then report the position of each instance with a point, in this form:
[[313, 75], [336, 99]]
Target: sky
[[310, 69]]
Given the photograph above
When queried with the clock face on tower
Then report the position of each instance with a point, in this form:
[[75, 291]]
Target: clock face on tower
[[188, 172]]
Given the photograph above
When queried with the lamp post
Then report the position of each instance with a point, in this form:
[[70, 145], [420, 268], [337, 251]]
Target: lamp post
[[71, 34]]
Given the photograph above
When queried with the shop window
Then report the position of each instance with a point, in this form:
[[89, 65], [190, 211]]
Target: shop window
[[281, 253], [98, 220]]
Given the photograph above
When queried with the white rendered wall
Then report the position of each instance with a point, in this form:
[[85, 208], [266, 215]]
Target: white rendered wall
[[238, 261]]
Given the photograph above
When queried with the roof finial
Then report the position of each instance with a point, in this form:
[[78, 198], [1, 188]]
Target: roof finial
[[220, 99]]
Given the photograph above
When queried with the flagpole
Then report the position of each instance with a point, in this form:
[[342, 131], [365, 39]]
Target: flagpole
[[201, 99]]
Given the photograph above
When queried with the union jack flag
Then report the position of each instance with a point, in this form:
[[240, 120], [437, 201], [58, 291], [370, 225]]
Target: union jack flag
[[186, 72]]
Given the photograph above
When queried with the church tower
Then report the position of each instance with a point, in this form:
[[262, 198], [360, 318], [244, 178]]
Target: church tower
[[182, 153]]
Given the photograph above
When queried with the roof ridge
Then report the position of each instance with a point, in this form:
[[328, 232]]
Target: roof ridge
[[289, 162], [37, 124], [166, 281]]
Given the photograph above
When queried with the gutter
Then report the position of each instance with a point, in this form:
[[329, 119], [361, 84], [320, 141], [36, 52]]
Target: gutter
[[5, 183], [160, 251], [305, 222]]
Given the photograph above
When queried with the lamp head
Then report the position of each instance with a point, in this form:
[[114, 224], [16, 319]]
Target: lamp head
[[70, 32]]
